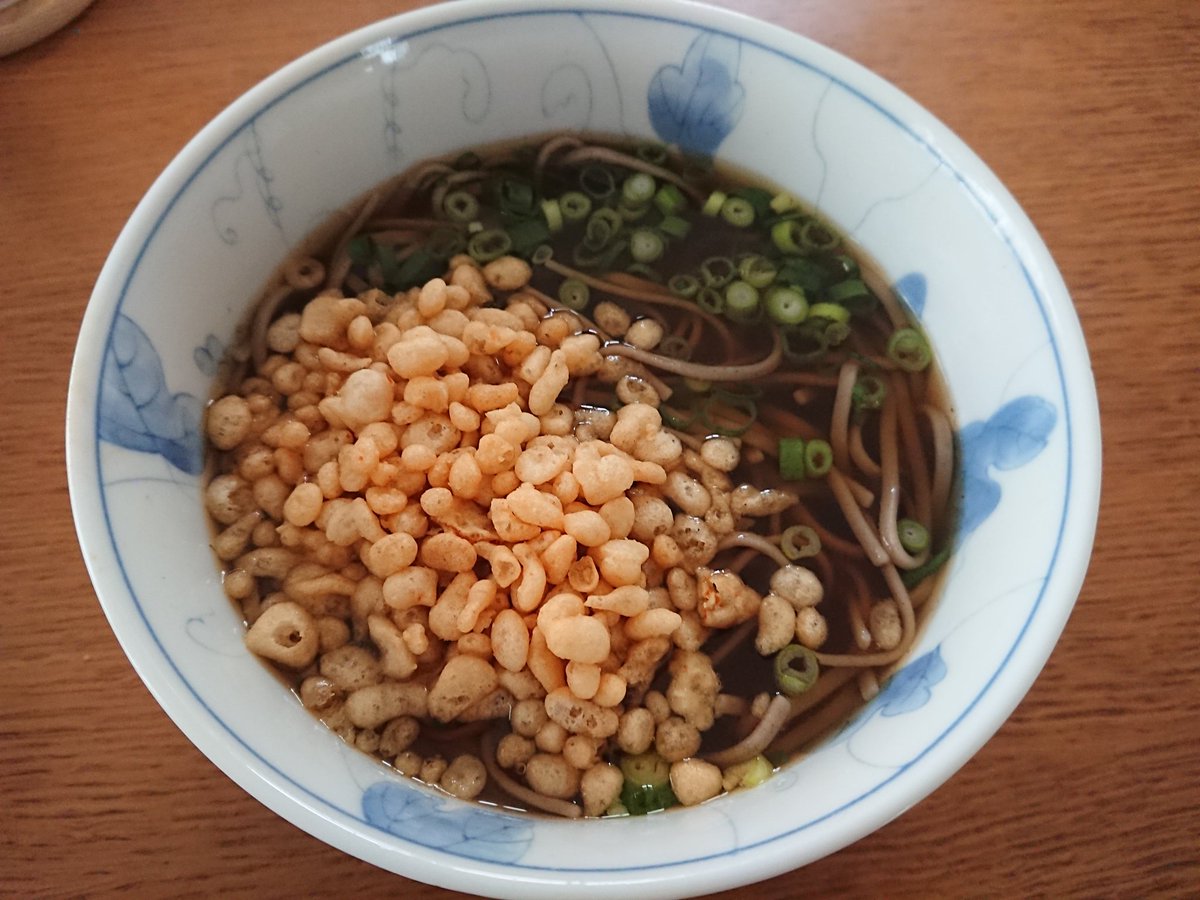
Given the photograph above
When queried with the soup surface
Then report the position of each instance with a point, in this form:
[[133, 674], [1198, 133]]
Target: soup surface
[[578, 476]]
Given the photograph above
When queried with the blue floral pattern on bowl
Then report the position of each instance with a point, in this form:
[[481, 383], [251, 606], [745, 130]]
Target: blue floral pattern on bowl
[[138, 410], [445, 824], [698, 103]]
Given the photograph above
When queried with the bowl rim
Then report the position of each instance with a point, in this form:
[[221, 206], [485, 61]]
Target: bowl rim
[[937, 763]]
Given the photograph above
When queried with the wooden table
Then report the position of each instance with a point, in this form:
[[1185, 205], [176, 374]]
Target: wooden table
[[1088, 110]]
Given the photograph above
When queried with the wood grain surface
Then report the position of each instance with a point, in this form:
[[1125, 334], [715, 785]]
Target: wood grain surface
[[1089, 110]]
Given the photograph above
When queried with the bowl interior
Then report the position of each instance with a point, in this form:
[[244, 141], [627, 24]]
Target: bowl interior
[[298, 147]]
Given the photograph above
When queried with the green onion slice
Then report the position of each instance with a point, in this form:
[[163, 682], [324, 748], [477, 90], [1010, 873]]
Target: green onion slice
[[738, 212], [638, 189], [741, 299], [597, 182], [574, 294], [460, 206], [869, 392], [787, 306], [722, 424], [800, 542], [908, 349], [685, 286], [914, 537], [712, 206], [553, 214], [489, 244], [717, 271], [575, 206], [670, 200], [818, 458], [791, 459], [645, 245], [796, 669], [757, 270]]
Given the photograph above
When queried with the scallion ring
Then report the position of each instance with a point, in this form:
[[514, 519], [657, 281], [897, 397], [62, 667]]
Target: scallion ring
[[796, 669], [791, 459], [489, 244], [914, 537], [908, 349], [818, 458], [460, 206], [799, 542], [787, 305], [574, 294]]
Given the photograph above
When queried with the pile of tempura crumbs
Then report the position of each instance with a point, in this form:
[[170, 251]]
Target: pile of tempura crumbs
[[417, 526]]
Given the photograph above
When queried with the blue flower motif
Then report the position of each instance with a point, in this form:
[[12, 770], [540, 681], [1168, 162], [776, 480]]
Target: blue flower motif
[[912, 289], [1013, 436], [137, 411], [208, 356], [911, 687], [697, 105], [415, 816]]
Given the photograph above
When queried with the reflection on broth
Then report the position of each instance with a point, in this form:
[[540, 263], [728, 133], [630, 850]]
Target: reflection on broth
[[578, 476]]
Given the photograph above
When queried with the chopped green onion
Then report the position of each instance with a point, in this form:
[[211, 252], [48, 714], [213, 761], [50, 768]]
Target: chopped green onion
[[542, 254], [460, 206], [712, 206], [869, 392], [815, 236], [553, 213], [674, 347], [736, 402], [642, 270], [640, 799], [784, 202], [361, 250], [685, 286], [741, 299], [850, 289], [786, 235], [669, 200], [418, 268], [800, 542], [818, 458], [738, 211], [757, 271], [759, 200], [717, 271], [516, 197], [750, 773], [602, 227], [787, 306], [638, 189], [631, 213], [645, 246], [597, 182], [711, 300], [832, 312], [802, 273], [914, 537], [488, 245], [574, 294], [675, 226], [791, 459], [575, 206], [836, 332], [913, 577], [908, 349], [846, 265], [527, 235], [445, 242], [655, 154], [796, 669], [803, 344]]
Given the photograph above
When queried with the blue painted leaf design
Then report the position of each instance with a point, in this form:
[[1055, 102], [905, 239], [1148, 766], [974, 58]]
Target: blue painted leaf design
[[415, 816], [1013, 436], [1020, 430], [697, 105], [208, 356], [911, 687], [137, 411], [912, 289]]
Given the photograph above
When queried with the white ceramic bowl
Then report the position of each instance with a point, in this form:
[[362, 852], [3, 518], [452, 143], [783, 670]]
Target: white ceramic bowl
[[346, 116]]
